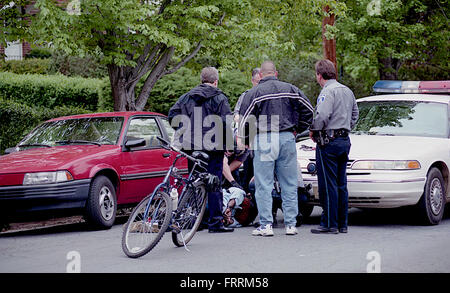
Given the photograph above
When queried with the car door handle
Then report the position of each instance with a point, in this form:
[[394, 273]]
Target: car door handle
[[166, 155]]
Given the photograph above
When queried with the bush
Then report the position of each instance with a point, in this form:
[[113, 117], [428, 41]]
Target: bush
[[42, 53], [88, 67], [32, 66], [169, 88], [17, 120], [55, 90]]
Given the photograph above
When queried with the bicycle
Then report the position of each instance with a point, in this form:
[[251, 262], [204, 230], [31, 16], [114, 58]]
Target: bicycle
[[151, 218]]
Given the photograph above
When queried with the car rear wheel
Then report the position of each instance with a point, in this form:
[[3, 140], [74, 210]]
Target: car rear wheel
[[432, 202], [101, 206]]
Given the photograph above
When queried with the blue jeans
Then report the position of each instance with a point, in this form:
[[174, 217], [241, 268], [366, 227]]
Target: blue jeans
[[276, 152], [331, 162]]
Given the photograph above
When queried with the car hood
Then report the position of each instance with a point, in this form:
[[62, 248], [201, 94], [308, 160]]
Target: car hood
[[376, 147], [50, 159]]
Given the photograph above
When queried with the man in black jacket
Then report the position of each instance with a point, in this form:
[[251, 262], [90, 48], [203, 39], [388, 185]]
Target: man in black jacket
[[270, 114], [202, 119]]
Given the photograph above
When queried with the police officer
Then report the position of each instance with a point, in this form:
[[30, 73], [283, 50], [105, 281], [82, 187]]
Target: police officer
[[335, 115]]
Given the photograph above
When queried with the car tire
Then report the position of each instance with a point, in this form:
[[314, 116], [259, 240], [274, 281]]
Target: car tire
[[432, 202], [101, 206]]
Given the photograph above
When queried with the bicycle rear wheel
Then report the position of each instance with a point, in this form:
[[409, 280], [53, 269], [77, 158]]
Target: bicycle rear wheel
[[189, 215], [141, 233]]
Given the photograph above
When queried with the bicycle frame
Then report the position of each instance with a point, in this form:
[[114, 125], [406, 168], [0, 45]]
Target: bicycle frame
[[165, 184]]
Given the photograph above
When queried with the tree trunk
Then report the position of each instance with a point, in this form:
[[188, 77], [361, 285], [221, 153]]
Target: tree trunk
[[122, 93], [124, 79], [389, 68], [329, 46]]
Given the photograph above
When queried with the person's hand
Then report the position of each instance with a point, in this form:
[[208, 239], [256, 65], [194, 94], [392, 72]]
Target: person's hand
[[240, 144], [311, 136]]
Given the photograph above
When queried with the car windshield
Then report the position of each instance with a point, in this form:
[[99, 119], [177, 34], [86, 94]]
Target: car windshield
[[98, 130], [404, 118]]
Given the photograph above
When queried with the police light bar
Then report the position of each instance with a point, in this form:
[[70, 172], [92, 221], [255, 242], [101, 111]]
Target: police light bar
[[397, 86]]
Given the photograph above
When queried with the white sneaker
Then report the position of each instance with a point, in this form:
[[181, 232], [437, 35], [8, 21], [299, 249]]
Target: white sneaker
[[263, 231], [291, 230]]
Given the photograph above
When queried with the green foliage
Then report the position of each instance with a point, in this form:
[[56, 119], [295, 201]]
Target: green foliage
[[233, 83], [54, 90], [169, 88], [379, 37], [16, 120], [41, 53], [167, 91], [31, 66], [88, 66]]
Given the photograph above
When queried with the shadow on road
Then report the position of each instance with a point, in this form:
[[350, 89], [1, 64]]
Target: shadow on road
[[63, 228], [407, 216]]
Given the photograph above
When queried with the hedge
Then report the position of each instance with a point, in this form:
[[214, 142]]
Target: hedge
[[169, 88], [17, 120], [55, 90], [31, 66]]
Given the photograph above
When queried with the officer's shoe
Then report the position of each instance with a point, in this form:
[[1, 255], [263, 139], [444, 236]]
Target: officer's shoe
[[343, 230], [221, 229], [263, 231], [324, 230]]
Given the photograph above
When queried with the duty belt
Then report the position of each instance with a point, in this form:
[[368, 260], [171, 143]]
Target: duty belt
[[323, 137]]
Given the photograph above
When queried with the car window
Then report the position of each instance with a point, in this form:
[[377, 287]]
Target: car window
[[146, 128], [103, 130], [167, 127], [410, 118]]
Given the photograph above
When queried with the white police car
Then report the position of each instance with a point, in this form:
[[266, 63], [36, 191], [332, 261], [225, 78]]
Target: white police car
[[400, 153]]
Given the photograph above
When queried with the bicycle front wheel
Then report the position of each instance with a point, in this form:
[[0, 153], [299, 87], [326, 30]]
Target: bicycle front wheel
[[189, 215], [141, 233]]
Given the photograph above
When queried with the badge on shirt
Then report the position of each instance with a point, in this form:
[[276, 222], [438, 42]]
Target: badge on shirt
[[320, 99]]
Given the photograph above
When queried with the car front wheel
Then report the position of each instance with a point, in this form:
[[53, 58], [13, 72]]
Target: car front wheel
[[101, 206], [432, 202]]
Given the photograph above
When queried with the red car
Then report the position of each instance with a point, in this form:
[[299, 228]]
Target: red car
[[91, 163]]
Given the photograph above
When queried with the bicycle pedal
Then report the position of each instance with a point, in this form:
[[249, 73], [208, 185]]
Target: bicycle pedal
[[175, 228]]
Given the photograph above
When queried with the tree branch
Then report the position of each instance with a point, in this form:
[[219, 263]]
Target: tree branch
[[185, 60], [153, 77]]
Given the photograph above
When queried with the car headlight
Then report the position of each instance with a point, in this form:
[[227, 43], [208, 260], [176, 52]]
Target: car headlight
[[303, 162], [46, 177], [386, 165]]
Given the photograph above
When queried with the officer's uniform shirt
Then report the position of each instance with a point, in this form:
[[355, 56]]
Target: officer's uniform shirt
[[336, 108]]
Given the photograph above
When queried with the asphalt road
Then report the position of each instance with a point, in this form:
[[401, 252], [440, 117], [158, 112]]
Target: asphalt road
[[384, 241]]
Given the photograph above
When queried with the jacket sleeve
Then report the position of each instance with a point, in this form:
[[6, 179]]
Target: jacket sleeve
[[175, 110], [227, 118], [306, 112], [324, 109], [245, 111]]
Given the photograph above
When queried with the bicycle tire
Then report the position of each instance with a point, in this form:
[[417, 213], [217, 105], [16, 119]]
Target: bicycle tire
[[157, 221], [190, 214]]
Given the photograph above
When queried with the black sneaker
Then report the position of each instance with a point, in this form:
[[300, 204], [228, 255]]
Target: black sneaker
[[324, 230]]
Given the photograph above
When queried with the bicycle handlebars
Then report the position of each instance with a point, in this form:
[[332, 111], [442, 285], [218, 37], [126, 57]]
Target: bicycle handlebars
[[168, 146]]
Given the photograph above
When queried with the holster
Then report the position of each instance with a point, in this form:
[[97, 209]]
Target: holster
[[321, 137]]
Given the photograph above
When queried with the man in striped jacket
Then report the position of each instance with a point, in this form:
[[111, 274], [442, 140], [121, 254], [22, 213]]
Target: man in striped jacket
[[271, 113]]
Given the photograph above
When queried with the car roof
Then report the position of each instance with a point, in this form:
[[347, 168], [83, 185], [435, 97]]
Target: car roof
[[408, 97], [125, 114]]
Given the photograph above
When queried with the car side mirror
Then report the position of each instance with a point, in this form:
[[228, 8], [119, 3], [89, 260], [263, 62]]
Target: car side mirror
[[134, 143], [302, 136]]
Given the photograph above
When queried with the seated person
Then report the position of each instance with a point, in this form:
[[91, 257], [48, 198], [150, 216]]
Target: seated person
[[238, 209]]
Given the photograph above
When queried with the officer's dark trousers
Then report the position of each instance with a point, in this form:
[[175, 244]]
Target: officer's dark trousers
[[215, 199], [331, 162]]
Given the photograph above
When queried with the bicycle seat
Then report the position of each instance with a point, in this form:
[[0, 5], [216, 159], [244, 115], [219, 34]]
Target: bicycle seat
[[201, 156]]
